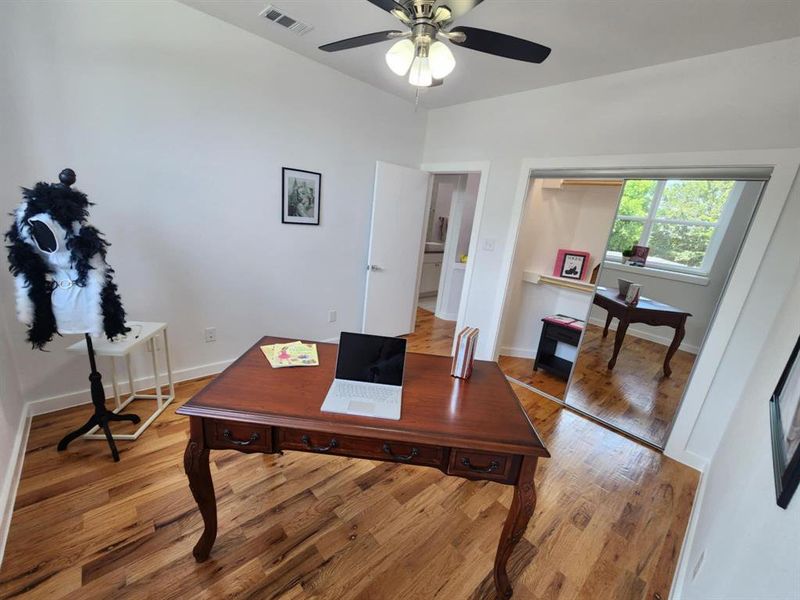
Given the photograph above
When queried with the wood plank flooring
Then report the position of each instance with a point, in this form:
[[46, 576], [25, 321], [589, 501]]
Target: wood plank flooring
[[635, 396], [521, 369], [609, 521]]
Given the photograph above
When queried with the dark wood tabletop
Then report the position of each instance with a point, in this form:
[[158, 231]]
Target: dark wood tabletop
[[646, 304], [481, 413]]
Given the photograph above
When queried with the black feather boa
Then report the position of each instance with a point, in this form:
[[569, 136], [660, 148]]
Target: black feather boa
[[67, 207]]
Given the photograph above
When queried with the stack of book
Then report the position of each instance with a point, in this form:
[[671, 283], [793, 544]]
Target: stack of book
[[466, 343], [291, 354]]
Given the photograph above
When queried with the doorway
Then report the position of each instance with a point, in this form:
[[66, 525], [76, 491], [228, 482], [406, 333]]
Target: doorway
[[418, 267]]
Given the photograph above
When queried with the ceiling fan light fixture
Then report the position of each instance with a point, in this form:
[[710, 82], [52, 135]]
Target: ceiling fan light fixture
[[442, 61], [420, 74], [400, 56]]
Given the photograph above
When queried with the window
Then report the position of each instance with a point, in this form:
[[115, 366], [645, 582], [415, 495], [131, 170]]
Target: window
[[681, 221]]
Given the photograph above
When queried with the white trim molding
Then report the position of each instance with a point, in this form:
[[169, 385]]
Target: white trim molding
[[10, 481]]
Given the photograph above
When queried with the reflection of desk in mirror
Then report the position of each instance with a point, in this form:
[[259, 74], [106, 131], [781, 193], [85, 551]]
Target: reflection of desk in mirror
[[647, 311]]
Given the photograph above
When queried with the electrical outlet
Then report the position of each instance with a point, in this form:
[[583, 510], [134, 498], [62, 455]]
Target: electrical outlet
[[211, 334], [331, 316], [698, 564]]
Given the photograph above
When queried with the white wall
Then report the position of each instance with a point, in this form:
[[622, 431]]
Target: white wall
[[745, 98], [177, 125], [12, 412], [749, 543], [570, 217], [699, 300]]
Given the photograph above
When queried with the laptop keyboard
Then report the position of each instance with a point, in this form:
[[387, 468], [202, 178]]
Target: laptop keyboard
[[373, 393]]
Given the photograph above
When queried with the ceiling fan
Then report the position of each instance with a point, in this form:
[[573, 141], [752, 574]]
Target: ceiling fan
[[421, 52]]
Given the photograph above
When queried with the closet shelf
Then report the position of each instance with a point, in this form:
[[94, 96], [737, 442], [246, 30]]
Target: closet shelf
[[541, 279]]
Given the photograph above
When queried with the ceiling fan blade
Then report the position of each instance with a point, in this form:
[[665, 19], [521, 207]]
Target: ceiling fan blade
[[389, 5], [458, 8], [501, 44], [361, 40]]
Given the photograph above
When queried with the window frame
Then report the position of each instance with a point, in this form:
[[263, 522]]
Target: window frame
[[720, 226]]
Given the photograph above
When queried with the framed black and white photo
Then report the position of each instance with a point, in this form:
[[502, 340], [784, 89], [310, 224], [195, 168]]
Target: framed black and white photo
[[785, 425], [571, 264], [301, 196]]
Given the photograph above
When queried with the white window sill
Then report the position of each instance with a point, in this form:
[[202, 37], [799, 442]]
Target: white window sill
[[661, 273]]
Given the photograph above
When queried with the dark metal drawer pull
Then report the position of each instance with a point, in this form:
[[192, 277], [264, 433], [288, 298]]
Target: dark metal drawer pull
[[307, 441], [388, 450], [493, 466], [229, 437]]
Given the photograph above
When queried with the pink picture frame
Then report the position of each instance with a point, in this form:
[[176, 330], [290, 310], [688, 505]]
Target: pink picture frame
[[571, 264]]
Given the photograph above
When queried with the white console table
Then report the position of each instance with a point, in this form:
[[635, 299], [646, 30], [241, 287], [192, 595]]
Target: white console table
[[142, 334]]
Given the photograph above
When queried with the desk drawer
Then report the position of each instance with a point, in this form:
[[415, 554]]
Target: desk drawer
[[483, 465], [563, 334], [223, 435], [332, 443]]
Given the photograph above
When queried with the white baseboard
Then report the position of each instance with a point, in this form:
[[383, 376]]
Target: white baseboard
[[684, 568], [10, 481], [446, 316], [70, 399], [517, 352], [333, 340], [645, 335]]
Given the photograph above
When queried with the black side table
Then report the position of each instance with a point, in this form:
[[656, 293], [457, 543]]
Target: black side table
[[553, 332]]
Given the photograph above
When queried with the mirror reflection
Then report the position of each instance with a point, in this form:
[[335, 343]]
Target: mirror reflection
[[614, 284], [672, 245], [561, 243]]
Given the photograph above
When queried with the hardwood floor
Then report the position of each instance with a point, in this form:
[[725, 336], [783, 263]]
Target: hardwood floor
[[432, 335], [635, 396], [521, 369], [609, 521]]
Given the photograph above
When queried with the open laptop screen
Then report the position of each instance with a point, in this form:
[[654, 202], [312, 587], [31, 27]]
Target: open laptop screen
[[371, 358]]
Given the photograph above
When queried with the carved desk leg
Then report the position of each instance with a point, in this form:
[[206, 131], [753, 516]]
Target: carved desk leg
[[195, 462], [622, 327], [680, 331], [519, 514]]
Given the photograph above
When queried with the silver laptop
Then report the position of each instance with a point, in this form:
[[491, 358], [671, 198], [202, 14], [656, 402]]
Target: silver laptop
[[369, 377]]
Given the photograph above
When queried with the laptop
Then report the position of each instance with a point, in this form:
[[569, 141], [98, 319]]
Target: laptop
[[369, 376]]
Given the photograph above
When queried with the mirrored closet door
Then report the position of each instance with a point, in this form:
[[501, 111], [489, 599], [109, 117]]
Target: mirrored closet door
[[561, 242], [617, 283]]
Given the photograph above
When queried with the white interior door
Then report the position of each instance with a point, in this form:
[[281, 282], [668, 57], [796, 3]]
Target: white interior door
[[395, 248]]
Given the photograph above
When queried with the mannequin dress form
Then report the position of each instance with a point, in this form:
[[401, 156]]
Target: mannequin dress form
[[64, 285]]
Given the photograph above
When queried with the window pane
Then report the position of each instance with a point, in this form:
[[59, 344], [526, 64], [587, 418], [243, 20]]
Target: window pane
[[694, 200], [636, 197], [625, 234], [684, 245]]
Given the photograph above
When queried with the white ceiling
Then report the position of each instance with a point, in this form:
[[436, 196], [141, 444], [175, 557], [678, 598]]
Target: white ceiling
[[588, 37]]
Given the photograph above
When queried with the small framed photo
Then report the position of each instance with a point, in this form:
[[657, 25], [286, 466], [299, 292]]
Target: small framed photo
[[571, 264], [301, 196], [639, 256], [785, 426]]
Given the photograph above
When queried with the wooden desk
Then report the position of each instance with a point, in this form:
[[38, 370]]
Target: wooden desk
[[645, 311], [474, 429]]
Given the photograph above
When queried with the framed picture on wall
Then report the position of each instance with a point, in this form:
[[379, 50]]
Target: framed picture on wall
[[785, 425], [571, 264], [301, 192]]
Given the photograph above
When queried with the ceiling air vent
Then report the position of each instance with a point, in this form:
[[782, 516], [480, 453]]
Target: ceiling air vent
[[278, 16]]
